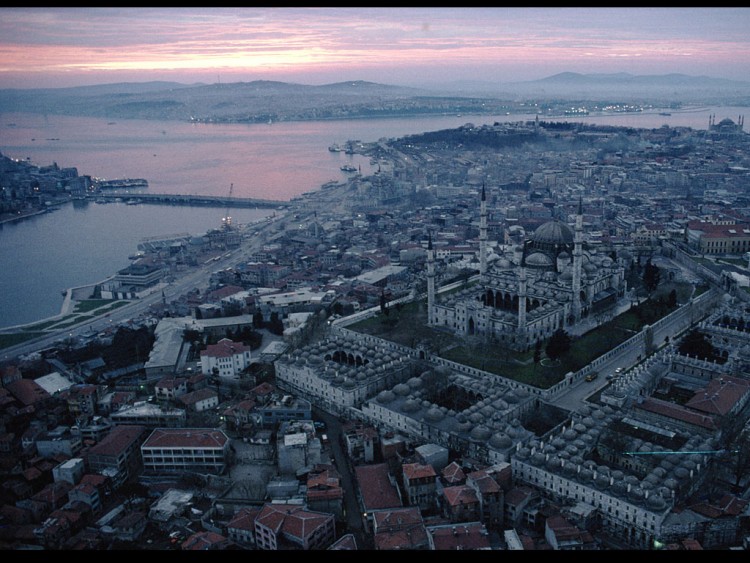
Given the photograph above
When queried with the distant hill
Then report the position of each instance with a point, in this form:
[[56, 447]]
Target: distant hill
[[260, 100], [269, 101], [619, 86]]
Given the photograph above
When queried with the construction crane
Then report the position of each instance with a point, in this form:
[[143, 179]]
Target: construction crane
[[227, 220]]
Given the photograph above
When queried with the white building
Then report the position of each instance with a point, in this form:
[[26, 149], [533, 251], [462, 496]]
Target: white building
[[227, 357], [170, 450]]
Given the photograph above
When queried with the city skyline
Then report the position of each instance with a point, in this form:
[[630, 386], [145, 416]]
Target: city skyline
[[61, 47]]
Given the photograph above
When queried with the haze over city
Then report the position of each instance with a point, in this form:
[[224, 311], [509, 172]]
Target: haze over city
[[62, 47]]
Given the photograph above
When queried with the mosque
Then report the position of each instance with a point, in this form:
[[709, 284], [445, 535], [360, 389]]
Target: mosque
[[550, 281]]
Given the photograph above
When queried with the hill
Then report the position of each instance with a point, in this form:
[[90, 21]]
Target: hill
[[264, 101]]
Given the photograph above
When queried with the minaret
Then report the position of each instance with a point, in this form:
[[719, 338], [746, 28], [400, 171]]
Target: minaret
[[483, 234], [430, 281], [577, 259], [522, 298]]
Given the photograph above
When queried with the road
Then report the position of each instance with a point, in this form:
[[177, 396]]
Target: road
[[197, 277]]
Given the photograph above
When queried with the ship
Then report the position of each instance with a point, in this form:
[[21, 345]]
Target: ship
[[348, 168]]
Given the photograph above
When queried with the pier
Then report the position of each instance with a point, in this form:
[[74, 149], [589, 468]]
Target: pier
[[204, 200]]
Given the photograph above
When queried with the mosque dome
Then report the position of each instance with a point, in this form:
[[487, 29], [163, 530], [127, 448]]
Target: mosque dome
[[553, 233], [539, 260]]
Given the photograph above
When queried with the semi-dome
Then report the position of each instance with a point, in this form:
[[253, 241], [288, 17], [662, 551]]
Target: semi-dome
[[553, 233], [539, 260]]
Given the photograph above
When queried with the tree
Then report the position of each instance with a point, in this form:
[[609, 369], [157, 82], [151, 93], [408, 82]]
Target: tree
[[275, 324], [558, 344], [383, 305], [258, 321], [697, 345], [651, 276], [672, 299]]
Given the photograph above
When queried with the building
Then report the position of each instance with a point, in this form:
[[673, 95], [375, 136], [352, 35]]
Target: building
[[548, 282], [180, 450], [459, 536], [200, 400], [225, 358], [118, 454], [169, 388], [241, 527], [288, 525], [420, 484], [718, 236], [285, 408], [339, 373], [399, 529], [61, 440], [297, 447], [377, 491], [71, 471], [323, 491], [150, 415]]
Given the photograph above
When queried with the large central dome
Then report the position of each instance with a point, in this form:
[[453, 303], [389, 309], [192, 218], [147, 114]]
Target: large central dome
[[552, 234]]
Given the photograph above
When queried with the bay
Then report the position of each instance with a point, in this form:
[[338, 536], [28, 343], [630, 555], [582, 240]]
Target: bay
[[82, 244]]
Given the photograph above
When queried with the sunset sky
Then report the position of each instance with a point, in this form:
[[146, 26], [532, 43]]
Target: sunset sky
[[58, 47]]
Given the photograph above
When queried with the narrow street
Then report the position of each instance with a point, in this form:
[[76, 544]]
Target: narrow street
[[351, 504]]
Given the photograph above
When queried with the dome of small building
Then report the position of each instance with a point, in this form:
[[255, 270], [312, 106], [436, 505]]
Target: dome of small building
[[410, 405], [401, 389], [414, 383], [385, 397], [656, 502], [500, 441], [481, 433], [434, 415]]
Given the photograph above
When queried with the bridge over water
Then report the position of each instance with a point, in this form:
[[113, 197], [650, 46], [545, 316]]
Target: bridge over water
[[203, 200]]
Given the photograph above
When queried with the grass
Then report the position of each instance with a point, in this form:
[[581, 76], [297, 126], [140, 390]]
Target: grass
[[91, 305], [407, 325], [8, 340]]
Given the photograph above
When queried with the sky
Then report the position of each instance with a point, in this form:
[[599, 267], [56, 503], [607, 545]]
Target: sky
[[48, 47]]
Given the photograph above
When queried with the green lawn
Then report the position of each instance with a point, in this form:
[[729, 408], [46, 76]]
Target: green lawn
[[407, 326], [91, 304], [8, 340]]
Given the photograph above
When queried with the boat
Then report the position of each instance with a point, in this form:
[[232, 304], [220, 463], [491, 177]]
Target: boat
[[334, 148], [664, 113], [349, 168]]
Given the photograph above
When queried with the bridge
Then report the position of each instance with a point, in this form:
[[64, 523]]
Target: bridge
[[202, 200]]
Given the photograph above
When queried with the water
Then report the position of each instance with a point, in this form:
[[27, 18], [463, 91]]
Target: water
[[82, 244]]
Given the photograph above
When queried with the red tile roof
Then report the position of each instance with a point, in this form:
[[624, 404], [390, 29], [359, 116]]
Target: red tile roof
[[460, 495], [225, 348], [471, 535], [377, 490], [720, 395], [27, 391], [186, 438], [453, 474], [119, 439], [418, 471], [244, 519], [671, 410]]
